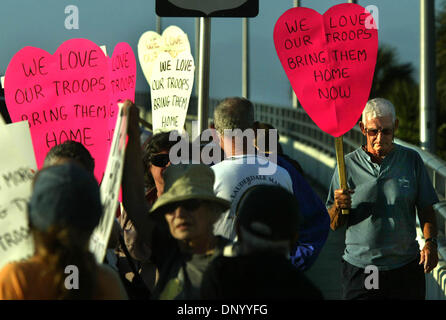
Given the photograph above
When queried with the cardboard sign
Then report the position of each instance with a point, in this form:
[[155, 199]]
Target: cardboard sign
[[151, 44], [330, 61], [110, 187], [171, 87], [17, 168], [70, 95]]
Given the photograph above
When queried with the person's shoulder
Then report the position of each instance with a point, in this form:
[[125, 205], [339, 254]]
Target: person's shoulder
[[358, 152], [9, 270], [222, 164], [408, 152], [12, 277], [106, 273], [110, 286], [20, 267]]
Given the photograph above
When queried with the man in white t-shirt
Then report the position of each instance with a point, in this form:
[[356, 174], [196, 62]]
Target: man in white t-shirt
[[241, 168]]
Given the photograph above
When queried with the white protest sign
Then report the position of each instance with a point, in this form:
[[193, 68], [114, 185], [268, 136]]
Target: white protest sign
[[17, 168], [151, 44], [170, 88], [110, 187]]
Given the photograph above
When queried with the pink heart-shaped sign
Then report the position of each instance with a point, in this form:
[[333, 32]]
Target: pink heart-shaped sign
[[330, 61], [68, 96], [123, 76]]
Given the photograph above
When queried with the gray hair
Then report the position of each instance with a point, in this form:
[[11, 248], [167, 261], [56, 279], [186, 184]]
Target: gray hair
[[378, 107], [234, 113]]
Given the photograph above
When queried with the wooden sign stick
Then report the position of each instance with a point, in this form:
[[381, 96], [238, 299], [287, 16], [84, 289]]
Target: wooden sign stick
[[341, 166]]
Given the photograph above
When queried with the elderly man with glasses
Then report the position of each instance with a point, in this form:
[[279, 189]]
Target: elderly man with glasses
[[387, 185]]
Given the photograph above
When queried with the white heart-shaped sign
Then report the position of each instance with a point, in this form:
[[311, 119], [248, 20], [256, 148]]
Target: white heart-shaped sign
[[151, 44]]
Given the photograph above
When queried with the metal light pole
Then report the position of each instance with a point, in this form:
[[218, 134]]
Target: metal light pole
[[203, 73], [158, 24], [197, 50], [245, 58], [427, 75], [295, 103]]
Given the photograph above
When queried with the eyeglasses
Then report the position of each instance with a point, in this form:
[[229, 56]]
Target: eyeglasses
[[160, 160], [189, 205], [374, 132]]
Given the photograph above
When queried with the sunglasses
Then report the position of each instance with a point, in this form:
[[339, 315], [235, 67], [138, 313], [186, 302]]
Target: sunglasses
[[189, 205], [374, 132], [160, 160]]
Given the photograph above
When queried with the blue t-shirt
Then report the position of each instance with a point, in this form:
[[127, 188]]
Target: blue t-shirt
[[381, 226]]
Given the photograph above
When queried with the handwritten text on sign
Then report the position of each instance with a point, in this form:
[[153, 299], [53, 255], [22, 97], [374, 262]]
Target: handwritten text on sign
[[64, 96], [330, 61], [122, 76], [17, 167], [171, 87], [70, 95], [151, 44]]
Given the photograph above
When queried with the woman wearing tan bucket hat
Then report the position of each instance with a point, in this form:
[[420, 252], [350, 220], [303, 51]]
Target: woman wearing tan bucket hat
[[188, 206]]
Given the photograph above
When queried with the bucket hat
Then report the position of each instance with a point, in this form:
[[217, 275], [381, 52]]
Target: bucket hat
[[185, 182]]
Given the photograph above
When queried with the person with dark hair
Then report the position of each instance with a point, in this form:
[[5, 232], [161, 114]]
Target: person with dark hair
[[313, 230], [257, 266], [156, 160], [64, 208], [70, 151]]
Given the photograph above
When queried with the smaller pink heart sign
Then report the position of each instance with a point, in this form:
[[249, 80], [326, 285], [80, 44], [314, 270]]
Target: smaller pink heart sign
[[69, 95], [329, 60], [122, 65]]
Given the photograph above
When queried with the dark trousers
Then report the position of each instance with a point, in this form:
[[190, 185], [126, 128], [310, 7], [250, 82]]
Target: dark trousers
[[405, 283]]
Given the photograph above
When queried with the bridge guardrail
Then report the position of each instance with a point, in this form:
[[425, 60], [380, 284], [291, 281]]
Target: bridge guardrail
[[297, 125]]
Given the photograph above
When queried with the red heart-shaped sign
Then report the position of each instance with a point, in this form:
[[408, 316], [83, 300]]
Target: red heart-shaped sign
[[69, 96], [330, 61]]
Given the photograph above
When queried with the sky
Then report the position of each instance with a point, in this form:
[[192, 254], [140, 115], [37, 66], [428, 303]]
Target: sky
[[40, 23]]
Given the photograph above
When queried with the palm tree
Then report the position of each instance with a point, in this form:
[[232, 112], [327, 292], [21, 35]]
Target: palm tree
[[394, 81]]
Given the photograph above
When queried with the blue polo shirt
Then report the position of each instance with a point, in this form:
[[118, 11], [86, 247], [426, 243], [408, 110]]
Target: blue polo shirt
[[381, 227]]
